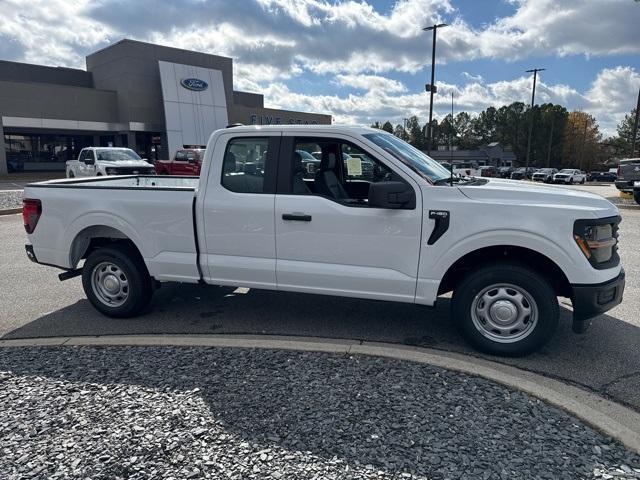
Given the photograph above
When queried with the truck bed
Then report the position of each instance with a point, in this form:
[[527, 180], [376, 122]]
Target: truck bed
[[154, 212]]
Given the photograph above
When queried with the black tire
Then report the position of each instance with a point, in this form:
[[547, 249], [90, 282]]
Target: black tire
[[534, 284], [636, 196], [139, 286], [71, 175], [583, 181]]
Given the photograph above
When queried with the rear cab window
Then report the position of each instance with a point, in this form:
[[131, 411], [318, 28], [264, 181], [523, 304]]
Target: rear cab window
[[248, 166]]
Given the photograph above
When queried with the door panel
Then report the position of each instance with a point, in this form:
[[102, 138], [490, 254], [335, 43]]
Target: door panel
[[351, 251], [239, 232]]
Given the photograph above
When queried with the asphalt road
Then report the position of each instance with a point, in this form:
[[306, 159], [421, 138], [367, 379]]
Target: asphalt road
[[33, 303]]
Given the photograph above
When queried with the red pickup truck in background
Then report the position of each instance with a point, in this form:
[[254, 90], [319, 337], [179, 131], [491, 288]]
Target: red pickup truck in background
[[186, 161]]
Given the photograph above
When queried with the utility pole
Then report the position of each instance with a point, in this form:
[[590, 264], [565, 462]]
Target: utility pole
[[553, 120], [404, 128], [635, 128], [430, 87], [533, 99]]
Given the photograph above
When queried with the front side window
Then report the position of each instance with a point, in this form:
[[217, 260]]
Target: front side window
[[243, 164], [180, 156], [336, 169]]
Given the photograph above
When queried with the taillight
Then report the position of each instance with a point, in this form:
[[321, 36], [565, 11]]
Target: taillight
[[31, 211]]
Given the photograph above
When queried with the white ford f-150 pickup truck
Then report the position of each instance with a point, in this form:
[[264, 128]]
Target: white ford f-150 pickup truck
[[402, 230], [98, 161]]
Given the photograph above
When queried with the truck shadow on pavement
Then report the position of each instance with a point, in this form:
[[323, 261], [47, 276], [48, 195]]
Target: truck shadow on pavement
[[605, 359]]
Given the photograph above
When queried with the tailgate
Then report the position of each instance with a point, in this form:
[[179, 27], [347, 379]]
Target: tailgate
[[629, 170]]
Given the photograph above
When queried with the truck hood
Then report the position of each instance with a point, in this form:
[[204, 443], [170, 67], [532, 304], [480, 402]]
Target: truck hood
[[517, 192], [125, 163]]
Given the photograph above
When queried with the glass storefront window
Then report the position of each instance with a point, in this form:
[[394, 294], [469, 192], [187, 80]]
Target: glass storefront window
[[42, 151]]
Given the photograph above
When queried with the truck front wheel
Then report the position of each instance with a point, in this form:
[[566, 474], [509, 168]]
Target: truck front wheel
[[505, 309], [116, 281]]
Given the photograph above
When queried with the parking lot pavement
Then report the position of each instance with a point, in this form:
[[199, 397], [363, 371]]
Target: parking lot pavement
[[246, 413], [34, 303]]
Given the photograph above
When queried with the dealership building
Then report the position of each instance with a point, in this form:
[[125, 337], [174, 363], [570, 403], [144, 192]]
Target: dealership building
[[150, 98]]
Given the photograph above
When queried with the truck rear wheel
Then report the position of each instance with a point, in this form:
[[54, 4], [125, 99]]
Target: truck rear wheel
[[116, 281], [505, 309]]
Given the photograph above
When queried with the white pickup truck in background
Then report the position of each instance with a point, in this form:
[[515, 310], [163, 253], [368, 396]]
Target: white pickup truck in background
[[99, 161], [398, 231]]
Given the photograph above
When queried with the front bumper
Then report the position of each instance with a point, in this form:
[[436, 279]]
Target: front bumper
[[592, 300]]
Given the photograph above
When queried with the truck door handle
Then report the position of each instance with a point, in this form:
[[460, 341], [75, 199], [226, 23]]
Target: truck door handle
[[301, 217]]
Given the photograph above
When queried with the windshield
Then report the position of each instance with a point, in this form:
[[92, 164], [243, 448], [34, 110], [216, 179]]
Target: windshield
[[566, 170], [119, 155], [545, 170], [419, 162]]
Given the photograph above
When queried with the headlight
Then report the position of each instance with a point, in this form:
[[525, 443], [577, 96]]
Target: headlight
[[598, 240], [111, 171]]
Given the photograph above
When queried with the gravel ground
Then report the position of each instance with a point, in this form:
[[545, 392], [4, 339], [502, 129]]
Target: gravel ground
[[134, 412], [10, 200]]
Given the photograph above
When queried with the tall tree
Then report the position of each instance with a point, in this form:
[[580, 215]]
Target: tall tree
[[387, 127], [625, 134], [582, 138], [414, 132]]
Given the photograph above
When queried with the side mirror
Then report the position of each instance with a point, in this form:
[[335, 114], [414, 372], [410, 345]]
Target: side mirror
[[391, 195]]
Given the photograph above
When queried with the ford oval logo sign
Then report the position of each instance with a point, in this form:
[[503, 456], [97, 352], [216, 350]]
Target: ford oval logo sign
[[194, 84]]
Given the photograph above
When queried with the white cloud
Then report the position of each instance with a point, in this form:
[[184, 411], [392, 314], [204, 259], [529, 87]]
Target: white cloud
[[274, 42], [611, 95], [370, 82]]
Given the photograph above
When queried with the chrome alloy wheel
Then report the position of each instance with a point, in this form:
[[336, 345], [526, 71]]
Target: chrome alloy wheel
[[504, 313], [110, 284]]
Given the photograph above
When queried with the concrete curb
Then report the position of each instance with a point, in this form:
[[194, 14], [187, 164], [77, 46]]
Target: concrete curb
[[628, 207], [608, 417], [10, 211]]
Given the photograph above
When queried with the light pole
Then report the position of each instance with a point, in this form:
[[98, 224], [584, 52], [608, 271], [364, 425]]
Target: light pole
[[533, 99], [431, 88]]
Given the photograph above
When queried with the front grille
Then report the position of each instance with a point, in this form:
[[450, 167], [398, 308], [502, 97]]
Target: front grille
[[132, 170]]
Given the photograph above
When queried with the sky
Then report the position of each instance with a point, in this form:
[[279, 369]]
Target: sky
[[367, 60]]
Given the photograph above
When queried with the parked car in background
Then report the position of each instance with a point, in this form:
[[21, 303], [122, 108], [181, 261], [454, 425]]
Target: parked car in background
[[310, 163], [570, 176], [505, 172], [628, 173], [187, 161], [99, 161], [466, 169], [488, 171], [544, 175], [601, 177], [522, 173], [506, 251]]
